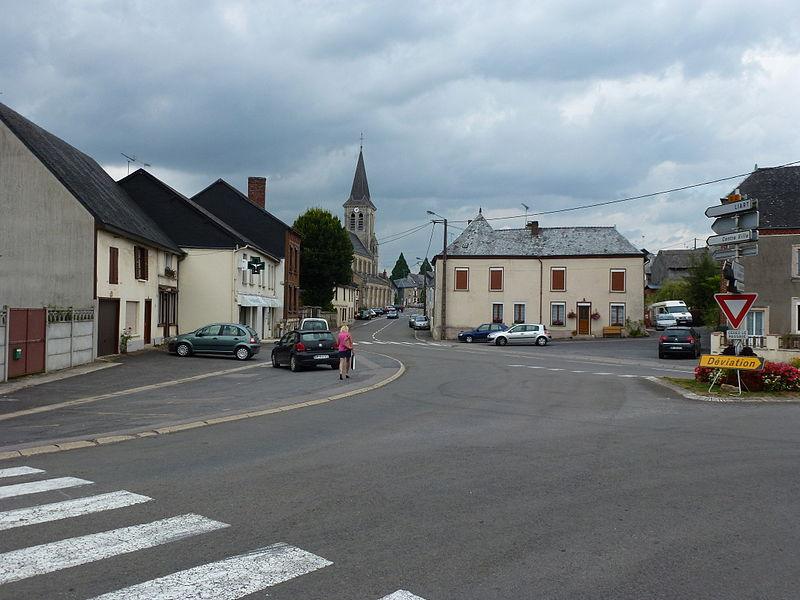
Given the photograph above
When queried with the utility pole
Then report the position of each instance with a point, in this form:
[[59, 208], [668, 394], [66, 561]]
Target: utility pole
[[444, 272]]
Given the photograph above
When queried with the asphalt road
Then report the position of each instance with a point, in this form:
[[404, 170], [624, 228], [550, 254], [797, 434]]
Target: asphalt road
[[472, 476]]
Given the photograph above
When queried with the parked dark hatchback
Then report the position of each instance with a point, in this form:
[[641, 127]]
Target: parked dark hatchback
[[300, 349], [480, 332], [218, 338], [682, 341]]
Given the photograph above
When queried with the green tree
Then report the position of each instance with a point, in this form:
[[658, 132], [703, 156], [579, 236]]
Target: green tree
[[425, 267], [672, 289], [703, 282], [326, 256], [400, 268]]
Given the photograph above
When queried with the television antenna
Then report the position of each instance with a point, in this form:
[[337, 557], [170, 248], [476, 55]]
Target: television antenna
[[133, 159], [526, 207]]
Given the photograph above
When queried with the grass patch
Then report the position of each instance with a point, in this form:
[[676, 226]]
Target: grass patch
[[701, 389]]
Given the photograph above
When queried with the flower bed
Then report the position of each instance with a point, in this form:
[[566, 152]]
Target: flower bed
[[775, 377]]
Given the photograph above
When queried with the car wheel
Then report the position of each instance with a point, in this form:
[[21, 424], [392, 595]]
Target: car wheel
[[293, 366], [541, 341], [501, 341], [661, 354], [275, 362], [242, 353], [468, 339], [183, 350]]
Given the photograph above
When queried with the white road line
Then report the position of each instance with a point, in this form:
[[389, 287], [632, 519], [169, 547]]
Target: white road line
[[602, 373], [56, 511], [534, 367], [420, 344], [17, 471], [365, 343], [45, 485], [629, 376], [46, 558], [434, 344], [577, 371], [402, 595], [407, 343], [227, 579], [551, 369]]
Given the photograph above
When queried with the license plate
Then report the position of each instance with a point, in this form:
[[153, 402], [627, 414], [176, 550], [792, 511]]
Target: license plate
[[676, 348], [321, 356]]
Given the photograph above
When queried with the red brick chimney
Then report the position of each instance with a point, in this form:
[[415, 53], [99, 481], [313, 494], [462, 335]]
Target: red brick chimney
[[257, 191]]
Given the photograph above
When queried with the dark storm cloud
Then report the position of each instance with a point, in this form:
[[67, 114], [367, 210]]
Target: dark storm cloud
[[464, 104]]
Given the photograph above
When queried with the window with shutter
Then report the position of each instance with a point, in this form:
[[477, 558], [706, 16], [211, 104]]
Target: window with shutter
[[558, 279], [140, 262], [113, 265], [462, 279], [519, 313], [496, 279], [617, 280], [558, 314], [497, 313]]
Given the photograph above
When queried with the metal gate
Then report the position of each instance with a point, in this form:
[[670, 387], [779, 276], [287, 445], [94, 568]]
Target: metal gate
[[27, 329]]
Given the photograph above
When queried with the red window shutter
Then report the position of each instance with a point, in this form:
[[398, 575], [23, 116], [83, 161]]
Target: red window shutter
[[496, 279], [617, 281], [558, 280], [113, 265], [462, 279]]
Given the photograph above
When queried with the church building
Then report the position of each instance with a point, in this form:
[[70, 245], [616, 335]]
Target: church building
[[375, 289]]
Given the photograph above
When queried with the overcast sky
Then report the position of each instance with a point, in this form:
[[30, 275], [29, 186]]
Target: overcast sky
[[463, 105]]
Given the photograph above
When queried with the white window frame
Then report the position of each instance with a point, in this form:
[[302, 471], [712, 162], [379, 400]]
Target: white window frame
[[795, 262], [563, 305], [524, 312], [748, 322], [624, 281], [502, 312], [552, 270], [455, 279], [611, 311], [502, 279]]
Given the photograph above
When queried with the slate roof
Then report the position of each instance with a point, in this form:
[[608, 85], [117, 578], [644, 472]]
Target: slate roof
[[412, 280], [187, 223], [234, 208], [358, 246], [359, 193], [678, 259], [480, 239], [778, 193], [88, 182], [377, 279]]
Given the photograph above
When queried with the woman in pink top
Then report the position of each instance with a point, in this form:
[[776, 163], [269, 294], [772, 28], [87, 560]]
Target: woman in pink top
[[345, 351]]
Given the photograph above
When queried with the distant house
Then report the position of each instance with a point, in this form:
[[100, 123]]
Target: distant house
[[410, 289], [574, 280], [225, 277], [671, 265], [345, 303], [775, 272], [71, 239], [248, 215]]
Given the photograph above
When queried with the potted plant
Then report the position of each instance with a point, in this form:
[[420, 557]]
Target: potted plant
[[558, 323], [123, 340], [595, 316], [571, 314]]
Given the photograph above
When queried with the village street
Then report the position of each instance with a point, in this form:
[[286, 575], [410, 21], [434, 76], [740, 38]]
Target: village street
[[481, 472]]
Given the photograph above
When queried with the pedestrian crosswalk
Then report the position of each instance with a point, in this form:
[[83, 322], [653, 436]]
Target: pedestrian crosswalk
[[230, 578]]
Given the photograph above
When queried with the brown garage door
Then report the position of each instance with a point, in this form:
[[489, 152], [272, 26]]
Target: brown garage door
[[108, 327], [26, 341]]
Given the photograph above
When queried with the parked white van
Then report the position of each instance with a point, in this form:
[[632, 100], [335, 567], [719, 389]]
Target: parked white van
[[674, 308]]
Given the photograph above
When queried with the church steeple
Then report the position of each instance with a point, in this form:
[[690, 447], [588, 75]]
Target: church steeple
[[359, 193]]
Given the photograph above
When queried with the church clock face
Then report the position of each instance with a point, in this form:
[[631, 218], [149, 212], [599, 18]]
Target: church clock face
[[356, 210]]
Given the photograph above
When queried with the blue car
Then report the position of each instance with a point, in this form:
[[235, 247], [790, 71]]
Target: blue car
[[480, 332]]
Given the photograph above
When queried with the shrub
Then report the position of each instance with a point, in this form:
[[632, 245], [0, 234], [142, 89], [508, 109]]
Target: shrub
[[795, 362], [635, 328], [775, 377]]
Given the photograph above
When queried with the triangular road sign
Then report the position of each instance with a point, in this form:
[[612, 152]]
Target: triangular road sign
[[735, 306]]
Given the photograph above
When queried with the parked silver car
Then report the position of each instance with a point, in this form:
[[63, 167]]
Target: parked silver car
[[522, 333]]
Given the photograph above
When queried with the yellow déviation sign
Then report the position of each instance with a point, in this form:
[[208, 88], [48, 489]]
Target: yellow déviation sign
[[722, 361]]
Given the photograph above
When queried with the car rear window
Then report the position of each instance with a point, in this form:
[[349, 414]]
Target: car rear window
[[678, 332], [317, 336]]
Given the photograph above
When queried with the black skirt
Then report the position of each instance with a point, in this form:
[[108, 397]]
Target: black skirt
[[345, 353]]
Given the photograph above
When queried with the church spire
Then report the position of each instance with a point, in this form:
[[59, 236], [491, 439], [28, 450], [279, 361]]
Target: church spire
[[359, 193]]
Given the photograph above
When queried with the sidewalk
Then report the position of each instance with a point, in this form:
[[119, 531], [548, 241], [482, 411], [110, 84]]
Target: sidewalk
[[152, 391]]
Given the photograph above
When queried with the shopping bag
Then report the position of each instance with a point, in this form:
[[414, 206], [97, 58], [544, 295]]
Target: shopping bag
[[352, 362]]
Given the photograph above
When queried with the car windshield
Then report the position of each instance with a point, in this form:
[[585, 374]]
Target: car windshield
[[516, 328], [676, 309], [317, 336]]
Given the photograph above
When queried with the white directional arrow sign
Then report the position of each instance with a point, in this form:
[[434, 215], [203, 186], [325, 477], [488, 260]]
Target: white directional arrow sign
[[734, 223], [731, 208], [740, 237]]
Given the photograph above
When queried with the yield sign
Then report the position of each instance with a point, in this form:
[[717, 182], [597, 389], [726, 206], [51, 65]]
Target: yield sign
[[735, 306]]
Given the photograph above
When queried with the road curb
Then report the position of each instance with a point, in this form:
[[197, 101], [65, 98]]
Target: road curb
[[102, 440], [722, 399]]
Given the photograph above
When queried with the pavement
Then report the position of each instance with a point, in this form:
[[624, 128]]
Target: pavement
[[482, 472]]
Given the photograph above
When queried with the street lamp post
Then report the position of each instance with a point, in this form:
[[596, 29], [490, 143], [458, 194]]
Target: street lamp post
[[444, 272]]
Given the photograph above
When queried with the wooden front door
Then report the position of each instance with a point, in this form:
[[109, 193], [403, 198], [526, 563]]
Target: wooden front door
[[27, 329], [584, 319], [148, 317], [108, 327]]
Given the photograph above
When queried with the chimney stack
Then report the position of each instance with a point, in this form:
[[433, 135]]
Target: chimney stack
[[257, 191], [534, 227]]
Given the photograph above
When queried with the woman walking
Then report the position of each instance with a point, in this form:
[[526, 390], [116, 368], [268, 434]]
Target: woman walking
[[345, 351]]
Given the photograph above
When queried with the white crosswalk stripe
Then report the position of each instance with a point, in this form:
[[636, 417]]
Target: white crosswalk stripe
[[17, 471], [68, 508], [402, 595], [227, 579], [46, 558], [36, 487]]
